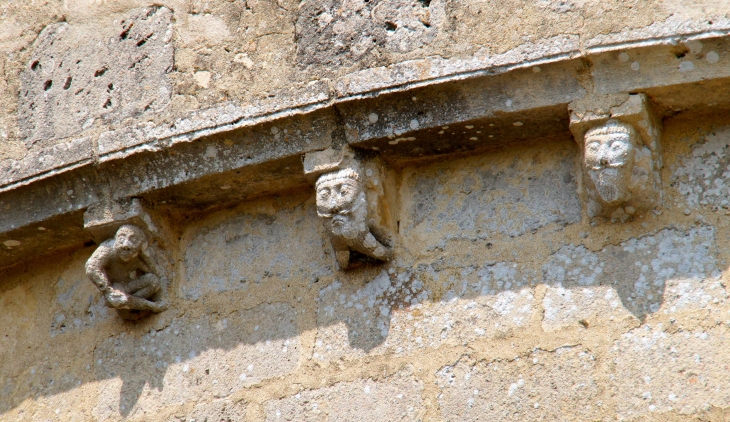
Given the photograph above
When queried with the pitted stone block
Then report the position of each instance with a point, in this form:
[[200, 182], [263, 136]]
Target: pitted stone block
[[117, 71]]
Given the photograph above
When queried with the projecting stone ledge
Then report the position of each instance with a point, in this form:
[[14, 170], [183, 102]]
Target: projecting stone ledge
[[226, 155]]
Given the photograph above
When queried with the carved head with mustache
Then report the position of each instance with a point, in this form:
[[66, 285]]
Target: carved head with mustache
[[609, 159]]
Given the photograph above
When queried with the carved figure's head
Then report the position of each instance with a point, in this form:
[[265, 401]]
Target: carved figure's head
[[609, 159], [129, 241], [341, 201]]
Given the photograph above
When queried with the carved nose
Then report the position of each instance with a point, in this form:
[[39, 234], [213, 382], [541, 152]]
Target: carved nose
[[604, 161]]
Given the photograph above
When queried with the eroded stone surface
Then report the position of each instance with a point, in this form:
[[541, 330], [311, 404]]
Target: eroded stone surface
[[343, 33], [671, 270], [658, 368], [252, 249], [211, 357], [80, 73], [216, 411], [703, 177], [398, 312], [390, 399], [484, 198], [78, 303], [540, 386]]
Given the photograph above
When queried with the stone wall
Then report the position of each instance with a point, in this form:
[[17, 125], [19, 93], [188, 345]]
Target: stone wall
[[503, 304], [506, 297]]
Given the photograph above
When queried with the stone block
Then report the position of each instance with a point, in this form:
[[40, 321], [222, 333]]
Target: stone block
[[103, 219], [478, 199], [703, 176], [667, 272], [216, 411], [247, 251], [659, 368], [543, 385], [398, 313], [194, 359], [83, 73], [336, 33], [394, 398]]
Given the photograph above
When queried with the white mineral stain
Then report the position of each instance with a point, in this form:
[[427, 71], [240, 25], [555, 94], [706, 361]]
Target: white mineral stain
[[624, 57], [695, 46], [635, 66], [373, 118], [414, 124], [686, 66], [713, 57], [11, 243]]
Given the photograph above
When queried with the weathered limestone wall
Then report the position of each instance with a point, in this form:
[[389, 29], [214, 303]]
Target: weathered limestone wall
[[503, 303], [73, 71], [505, 300]]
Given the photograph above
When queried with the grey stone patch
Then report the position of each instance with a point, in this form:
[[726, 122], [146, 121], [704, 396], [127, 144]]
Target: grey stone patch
[[339, 33], [703, 177], [478, 205], [540, 386], [251, 249], [78, 306], [395, 398], [118, 71], [671, 270], [214, 355], [657, 368], [396, 313]]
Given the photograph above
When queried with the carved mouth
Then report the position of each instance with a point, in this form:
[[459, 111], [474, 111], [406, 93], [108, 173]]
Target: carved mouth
[[339, 220]]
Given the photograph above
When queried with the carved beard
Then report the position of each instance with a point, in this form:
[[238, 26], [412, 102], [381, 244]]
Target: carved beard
[[342, 225], [610, 184]]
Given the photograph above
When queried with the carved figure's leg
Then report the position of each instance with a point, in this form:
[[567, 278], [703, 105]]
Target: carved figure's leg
[[145, 286], [139, 304], [369, 245], [343, 258], [342, 252]]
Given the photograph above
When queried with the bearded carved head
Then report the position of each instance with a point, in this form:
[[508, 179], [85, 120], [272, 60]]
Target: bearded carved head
[[341, 202], [609, 159]]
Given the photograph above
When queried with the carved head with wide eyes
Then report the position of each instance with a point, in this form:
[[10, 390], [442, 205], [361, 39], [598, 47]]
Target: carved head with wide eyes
[[609, 159], [129, 241], [338, 194]]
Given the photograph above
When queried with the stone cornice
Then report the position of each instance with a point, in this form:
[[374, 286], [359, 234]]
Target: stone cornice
[[230, 153]]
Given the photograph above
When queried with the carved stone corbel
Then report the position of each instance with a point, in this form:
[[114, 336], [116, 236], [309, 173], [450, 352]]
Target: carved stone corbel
[[126, 266], [351, 203], [620, 138]]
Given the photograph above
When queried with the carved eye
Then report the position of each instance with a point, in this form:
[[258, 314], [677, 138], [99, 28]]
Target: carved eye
[[323, 194], [619, 151], [592, 154]]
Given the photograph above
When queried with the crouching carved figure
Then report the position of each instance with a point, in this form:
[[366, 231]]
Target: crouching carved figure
[[126, 274], [350, 202]]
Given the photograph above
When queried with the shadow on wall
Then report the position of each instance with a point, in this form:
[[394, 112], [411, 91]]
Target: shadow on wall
[[256, 281]]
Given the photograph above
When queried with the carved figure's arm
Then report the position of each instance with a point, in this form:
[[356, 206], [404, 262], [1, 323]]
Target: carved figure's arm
[[95, 268], [147, 263]]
